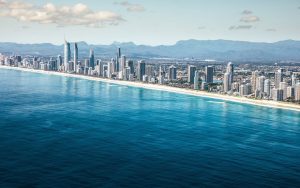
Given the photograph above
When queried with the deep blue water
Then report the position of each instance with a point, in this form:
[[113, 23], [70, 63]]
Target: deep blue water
[[66, 132]]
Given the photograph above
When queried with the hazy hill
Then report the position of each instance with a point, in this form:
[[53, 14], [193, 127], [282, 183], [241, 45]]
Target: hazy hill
[[202, 49]]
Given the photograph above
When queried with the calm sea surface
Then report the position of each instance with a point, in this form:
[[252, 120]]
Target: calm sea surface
[[67, 132]]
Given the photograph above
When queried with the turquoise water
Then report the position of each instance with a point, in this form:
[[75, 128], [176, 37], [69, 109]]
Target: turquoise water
[[67, 132]]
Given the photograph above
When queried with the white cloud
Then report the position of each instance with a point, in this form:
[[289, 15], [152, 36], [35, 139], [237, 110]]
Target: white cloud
[[240, 27], [247, 12], [249, 19], [131, 7], [201, 27], [2, 3], [18, 5], [78, 14]]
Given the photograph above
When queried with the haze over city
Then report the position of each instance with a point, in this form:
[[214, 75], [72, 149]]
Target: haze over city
[[148, 22]]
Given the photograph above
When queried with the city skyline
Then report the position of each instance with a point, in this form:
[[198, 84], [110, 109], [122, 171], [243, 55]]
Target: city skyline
[[248, 82], [148, 22]]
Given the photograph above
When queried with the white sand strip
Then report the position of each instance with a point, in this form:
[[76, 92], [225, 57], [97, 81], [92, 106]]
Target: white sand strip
[[265, 103]]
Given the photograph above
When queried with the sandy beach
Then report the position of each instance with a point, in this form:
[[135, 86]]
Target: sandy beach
[[265, 103]]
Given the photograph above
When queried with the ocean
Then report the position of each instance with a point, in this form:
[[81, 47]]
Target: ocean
[[58, 131]]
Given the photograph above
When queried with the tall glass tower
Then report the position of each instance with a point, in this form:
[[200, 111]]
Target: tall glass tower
[[67, 55], [75, 56], [92, 59]]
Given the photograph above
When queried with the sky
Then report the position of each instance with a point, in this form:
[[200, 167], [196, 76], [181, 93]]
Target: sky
[[149, 22]]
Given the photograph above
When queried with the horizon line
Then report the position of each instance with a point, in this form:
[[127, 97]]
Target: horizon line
[[139, 44]]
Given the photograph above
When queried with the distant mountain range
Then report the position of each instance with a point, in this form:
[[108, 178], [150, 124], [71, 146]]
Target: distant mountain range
[[221, 50]]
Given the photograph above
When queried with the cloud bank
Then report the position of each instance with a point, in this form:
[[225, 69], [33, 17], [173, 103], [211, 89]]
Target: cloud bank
[[247, 12], [78, 14], [131, 7], [240, 27], [249, 19]]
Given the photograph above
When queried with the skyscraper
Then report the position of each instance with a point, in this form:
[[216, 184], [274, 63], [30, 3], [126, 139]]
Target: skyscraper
[[75, 56], [245, 89], [141, 69], [290, 92], [92, 59], [161, 75], [230, 70], [118, 59], [123, 63], [86, 63], [278, 78], [227, 82], [295, 78], [254, 81], [149, 71], [67, 55], [130, 65], [267, 87], [172, 73], [191, 73], [110, 67], [277, 94], [126, 73], [283, 87], [209, 74], [59, 62], [113, 68], [261, 83], [119, 52], [100, 67], [196, 80], [297, 92]]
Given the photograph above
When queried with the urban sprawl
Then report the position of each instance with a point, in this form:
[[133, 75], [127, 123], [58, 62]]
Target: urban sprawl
[[266, 82]]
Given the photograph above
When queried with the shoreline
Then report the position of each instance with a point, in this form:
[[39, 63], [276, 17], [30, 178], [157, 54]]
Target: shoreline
[[264, 103]]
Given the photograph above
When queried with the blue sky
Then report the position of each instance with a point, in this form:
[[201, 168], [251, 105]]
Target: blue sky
[[151, 22]]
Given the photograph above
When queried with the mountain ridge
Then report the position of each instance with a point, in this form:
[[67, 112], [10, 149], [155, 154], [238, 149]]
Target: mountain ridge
[[223, 50]]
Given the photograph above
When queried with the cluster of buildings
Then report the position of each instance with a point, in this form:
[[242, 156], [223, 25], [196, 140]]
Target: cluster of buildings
[[118, 67], [278, 86], [260, 82]]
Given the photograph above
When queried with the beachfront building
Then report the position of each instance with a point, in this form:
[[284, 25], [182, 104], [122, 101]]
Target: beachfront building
[[230, 70], [196, 80], [243, 90], [129, 64], [278, 78], [75, 56], [172, 74], [92, 59], [227, 82], [267, 87], [297, 92], [277, 94], [290, 93], [67, 55], [191, 73], [123, 63], [209, 74], [141, 70], [59, 63], [254, 80], [283, 87], [260, 84]]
